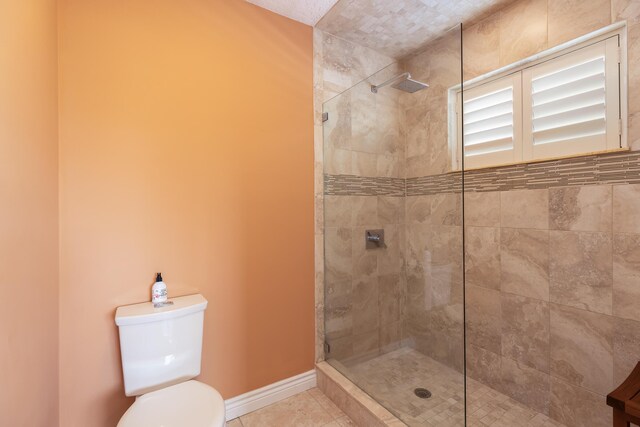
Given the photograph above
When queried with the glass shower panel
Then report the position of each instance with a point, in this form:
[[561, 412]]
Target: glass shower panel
[[364, 190], [394, 314]]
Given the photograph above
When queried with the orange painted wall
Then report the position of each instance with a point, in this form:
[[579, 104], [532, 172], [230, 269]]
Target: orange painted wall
[[28, 214], [186, 147]]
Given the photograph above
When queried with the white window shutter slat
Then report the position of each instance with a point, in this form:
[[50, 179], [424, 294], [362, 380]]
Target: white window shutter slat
[[567, 105], [570, 103], [491, 123]]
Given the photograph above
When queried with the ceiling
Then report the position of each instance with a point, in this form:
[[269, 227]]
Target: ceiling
[[398, 28], [306, 11]]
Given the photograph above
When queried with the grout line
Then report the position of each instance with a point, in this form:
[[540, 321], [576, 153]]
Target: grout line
[[576, 385]]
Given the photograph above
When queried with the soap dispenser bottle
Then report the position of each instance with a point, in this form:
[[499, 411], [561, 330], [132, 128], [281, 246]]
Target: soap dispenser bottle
[[159, 291]]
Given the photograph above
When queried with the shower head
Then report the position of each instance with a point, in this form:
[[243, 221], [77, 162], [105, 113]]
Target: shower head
[[403, 82], [409, 85]]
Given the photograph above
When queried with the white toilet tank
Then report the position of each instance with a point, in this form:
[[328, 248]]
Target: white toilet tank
[[160, 346]]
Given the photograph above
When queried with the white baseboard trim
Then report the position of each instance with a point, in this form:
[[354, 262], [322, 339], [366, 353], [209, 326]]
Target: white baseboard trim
[[272, 393]]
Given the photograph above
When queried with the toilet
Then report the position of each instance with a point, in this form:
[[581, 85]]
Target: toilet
[[161, 353]]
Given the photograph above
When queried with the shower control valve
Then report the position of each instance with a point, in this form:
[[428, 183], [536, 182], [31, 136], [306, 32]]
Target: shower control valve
[[374, 239]]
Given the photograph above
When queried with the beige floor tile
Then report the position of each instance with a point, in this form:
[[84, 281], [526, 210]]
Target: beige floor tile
[[301, 410], [391, 378], [326, 404]]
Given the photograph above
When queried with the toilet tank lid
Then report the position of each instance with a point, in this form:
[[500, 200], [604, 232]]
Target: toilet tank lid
[[146, 312]]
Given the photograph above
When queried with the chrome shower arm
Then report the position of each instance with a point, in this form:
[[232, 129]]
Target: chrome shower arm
[[374, 88]]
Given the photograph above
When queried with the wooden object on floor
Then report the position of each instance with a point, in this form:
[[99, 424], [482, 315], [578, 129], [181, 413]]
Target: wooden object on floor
[[625, 400]]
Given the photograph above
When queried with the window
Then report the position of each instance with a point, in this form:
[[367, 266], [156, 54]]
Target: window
[[492, 122], [562, 106]]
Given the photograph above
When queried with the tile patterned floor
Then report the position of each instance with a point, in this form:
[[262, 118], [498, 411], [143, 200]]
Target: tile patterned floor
[[308, 409], [391, 378]]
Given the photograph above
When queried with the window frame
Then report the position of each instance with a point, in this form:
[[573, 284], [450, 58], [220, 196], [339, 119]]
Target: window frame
[[457, 93]]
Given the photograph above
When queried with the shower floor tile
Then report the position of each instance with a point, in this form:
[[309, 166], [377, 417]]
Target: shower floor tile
[[391, 379]]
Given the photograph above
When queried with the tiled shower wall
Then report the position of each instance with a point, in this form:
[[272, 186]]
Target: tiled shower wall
[[365, 138], [433, 317], [553, 269], [553, 290], [362, 140], [363, 286]]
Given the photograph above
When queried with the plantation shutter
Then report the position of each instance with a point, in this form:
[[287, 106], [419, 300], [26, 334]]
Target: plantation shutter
[[571, 103], [492, 123]]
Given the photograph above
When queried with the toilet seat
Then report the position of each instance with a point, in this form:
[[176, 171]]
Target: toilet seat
[[188, 404]]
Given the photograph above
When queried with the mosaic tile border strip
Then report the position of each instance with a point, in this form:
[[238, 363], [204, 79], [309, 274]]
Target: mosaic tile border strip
[[610, 168], [435, 184], [351, 185]]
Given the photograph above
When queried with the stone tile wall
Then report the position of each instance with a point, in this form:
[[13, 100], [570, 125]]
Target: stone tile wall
[[553, 283], [551, 275], [358, 290], [363, 286], [434, 312], [338, 65], [552, 272]]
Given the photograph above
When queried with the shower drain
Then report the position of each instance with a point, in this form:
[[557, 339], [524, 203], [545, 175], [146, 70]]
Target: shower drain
[[422, 393]]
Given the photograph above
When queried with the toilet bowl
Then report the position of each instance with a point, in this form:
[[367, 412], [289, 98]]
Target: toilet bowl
[[161, 350], [188, 404]]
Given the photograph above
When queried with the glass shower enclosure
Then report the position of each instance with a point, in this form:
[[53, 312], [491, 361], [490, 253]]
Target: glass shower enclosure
[[393, 227]]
